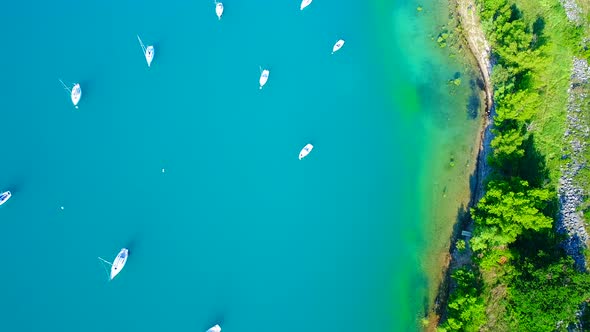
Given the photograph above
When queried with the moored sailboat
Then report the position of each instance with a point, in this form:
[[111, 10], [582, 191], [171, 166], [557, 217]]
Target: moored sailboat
[[215, 328], [338, 45], [305, 151], [218, 9], [305, 3], [148, 52], [75, 92], [263, 77], [4, 197], [118, 264]]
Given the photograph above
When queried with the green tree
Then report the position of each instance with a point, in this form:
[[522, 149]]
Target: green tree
[[460, 245], [503, 82], [519, 106], [507, 150], [508, 208], [466, 308], [546, 298]]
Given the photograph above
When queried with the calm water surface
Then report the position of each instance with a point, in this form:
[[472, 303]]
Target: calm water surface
[[237, 230]]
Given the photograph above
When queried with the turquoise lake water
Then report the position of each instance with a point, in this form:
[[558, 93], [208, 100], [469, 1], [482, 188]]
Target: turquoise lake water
[[237, 230]]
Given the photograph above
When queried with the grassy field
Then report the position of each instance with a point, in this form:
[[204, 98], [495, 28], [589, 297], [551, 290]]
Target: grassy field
[[549, 122]]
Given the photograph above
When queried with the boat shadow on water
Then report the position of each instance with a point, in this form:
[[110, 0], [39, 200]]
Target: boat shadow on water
[[133, 243], [15, 186]]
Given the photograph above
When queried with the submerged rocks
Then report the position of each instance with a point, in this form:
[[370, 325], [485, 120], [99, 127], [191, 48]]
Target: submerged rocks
[[576, 135]]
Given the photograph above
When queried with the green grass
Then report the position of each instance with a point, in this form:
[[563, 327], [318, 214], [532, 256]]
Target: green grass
[[548, 124]]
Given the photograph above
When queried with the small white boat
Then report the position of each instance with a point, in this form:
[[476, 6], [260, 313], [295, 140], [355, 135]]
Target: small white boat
[[147, 51], [215, 328], [75, 92], [338, 45], [305, 151], [149, 55], [263, 77], [218, 9], [118, 264], [305, 3], [5, 196]]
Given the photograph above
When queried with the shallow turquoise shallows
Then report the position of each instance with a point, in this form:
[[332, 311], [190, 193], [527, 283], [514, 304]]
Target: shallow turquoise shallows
[[194, 168]]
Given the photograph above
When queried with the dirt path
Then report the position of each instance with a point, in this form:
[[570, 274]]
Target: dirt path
[[478, 45]]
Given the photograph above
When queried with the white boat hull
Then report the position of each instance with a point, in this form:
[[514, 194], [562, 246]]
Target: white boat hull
[[4, 197], [263, 78], [76, 94], [305, 3], [338, 45], [149, 55], [305, 151], [215, 328], [119, 262], [219, 9]]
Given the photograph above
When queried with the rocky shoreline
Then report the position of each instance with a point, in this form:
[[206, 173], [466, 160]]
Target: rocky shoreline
[[479, 48], [473, 38], [571, 196]]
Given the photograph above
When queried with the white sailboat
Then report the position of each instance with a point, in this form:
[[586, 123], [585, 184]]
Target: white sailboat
[[218, 9], [147, 51], [215, 328], [75, 92], [305, 3], [263, 77], [5, 196], [305, 151], [338, 45], [118, 264]]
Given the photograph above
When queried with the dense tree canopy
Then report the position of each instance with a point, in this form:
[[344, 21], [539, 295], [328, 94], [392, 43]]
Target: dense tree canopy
[[546, 298], [506, 210], [466, 307], [507, 149], [516, 107], [530, 289]]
